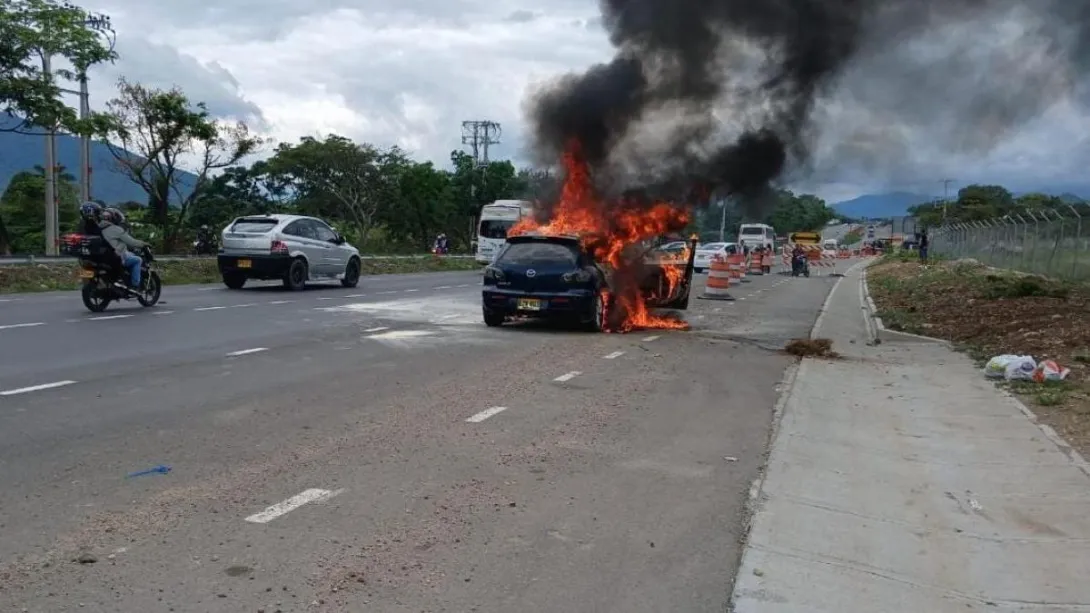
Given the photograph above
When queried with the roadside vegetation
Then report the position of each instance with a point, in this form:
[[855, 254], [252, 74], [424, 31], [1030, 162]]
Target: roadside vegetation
[[51, 277], [988, 312]]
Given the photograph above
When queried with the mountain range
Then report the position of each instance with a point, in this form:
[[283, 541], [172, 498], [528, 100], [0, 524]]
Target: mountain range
[[896, 204], [22, 152]]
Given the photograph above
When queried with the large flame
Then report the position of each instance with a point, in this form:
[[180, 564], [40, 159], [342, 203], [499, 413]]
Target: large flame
[[615, 233]]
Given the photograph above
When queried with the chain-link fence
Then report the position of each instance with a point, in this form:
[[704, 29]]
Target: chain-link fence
[[906, 227], [1050, 242]]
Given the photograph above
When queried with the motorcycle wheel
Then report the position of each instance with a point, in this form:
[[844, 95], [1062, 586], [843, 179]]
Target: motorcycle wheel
[[95, 301], [154, 291]]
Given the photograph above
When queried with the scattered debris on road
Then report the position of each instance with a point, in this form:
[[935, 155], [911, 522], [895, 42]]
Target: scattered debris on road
[[162, 469], [811, 348], [990, 313]]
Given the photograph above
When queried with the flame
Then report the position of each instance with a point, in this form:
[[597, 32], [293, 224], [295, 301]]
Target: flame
[[614, 233]]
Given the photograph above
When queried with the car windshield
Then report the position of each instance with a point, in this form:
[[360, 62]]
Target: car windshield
[[712, 246], [254, 226], [496, 228], [753, 231], [525, 254]]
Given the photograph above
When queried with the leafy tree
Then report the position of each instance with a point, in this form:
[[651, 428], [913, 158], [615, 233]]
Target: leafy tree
[[474, 186], [424, 205], [799, 213], [236, 192], [21, 205], [338, 178], [31, 30], [151, 131]]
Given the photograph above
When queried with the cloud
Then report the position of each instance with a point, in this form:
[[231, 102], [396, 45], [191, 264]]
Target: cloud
[[409, 73]]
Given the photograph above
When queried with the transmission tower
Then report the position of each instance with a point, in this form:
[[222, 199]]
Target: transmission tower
[[479, 134]]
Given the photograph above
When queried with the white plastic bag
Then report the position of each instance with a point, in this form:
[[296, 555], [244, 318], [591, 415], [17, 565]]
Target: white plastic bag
[[1010, 367], [1049, 370]]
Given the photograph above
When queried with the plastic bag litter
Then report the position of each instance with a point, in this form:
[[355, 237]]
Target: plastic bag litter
[[1049, 370], [1011, 367]]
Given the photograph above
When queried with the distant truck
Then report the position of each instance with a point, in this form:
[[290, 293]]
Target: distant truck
[[496, 219]]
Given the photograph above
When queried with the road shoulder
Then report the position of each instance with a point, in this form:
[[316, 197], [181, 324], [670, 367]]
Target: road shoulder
[[899, 480]]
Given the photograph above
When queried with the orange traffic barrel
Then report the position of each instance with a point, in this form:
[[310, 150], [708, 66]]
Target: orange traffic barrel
[[755, 265], [719, 276]]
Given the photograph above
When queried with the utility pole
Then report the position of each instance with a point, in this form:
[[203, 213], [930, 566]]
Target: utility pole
[[479, 134], [51, 229], [100, 24], [945, 195]]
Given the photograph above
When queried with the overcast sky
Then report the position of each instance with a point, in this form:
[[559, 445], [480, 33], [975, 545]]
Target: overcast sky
[[410, 75]]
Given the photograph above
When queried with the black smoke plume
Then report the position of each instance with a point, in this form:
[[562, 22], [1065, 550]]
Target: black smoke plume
[[728, 88]]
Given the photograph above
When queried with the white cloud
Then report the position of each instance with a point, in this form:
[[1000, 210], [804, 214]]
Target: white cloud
[[408, 73]]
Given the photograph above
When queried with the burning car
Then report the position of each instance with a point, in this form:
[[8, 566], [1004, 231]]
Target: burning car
[[558, 277]]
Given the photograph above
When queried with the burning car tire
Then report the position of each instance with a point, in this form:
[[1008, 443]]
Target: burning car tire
[[599, 315]]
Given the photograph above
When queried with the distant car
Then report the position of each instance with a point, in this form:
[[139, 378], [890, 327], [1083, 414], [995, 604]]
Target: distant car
[[553, 277], [291, 248], [709, 251]]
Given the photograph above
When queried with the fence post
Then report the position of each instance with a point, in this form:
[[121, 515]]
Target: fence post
[[1078, 239]]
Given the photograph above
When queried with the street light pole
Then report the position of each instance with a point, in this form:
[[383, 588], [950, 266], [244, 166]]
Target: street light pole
[[50, 173], [99, 23]]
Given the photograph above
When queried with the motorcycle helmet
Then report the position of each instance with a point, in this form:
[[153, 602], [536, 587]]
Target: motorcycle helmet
[[114, 216], [91, 211]]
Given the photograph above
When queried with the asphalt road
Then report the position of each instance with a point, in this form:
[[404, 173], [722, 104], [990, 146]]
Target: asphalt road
[[380, 449]]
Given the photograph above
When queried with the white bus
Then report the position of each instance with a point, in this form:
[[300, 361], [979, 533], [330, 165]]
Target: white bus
[[753, 235], [496, 219]]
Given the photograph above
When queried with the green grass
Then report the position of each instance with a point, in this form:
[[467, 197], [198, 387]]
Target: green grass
[[22, 278], [902, 320], [1046, 394]]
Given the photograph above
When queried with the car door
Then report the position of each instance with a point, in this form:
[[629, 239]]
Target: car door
[[304, 237], [336, 255]]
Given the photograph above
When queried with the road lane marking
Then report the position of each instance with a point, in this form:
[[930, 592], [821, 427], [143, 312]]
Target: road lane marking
[[443, 287], [412, 290], [281, 301], [648, 339], [289, 505], [483, 415], [615, 354], [35, 388], [391, 292], [568, 377], [30, 325], [162, 312], [378, 329], [247, 351], [105, 317], [215, 308], [208, 289], [355, 295], [464, 285], [239, 306], [327, 298]]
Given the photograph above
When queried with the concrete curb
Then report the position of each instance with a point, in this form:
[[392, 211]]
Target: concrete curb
[[870, 311]]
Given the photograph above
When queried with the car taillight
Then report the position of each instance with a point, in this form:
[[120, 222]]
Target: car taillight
[[492, 273], [279, 247], [576, 276]]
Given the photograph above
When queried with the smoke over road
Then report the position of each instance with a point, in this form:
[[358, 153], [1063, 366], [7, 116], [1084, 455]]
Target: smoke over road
[[732, 94]]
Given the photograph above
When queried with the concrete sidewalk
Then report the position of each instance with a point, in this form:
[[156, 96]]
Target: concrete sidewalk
[[900, 480]]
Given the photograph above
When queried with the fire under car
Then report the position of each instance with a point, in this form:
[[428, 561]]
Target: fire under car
[[556, 277]]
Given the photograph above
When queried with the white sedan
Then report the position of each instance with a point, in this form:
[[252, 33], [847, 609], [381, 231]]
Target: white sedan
[[706, 253]]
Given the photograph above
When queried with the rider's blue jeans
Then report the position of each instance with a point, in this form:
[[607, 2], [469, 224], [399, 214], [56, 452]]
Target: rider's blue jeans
[[132, 264]]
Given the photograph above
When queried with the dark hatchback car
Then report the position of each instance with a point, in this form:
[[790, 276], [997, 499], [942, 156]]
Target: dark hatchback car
[[544, 277], [553, 277]]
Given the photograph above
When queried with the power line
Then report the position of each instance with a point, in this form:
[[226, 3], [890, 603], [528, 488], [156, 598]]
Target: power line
[[479, 134]]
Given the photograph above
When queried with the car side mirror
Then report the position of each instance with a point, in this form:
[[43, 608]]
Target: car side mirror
[[339, 240]]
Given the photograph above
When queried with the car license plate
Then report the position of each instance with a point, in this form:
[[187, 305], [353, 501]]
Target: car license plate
[[86, 274], [529, 304], [244, 264]]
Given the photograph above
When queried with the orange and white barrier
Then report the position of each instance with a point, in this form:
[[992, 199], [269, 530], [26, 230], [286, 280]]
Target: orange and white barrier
[[737, 267], [719, 280], [755, 266]]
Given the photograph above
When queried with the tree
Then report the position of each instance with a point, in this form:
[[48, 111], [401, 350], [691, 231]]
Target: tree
[[473, 186], [151, 132], [21, 205], [799, 213], [338, 178], [236, 192], [31, 30], [424, 206]]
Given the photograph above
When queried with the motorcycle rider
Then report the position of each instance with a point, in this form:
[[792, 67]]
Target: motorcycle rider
[[90, 217], [113, 232], [442, 244], [204, 240]]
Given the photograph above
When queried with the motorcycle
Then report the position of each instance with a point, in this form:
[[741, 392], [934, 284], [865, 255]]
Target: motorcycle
[[800, 265], [105, 280], [204, 247]]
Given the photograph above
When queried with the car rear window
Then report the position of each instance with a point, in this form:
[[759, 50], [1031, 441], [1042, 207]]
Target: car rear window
[[712, 246], [538, 253], [753, 231], [254, 226]]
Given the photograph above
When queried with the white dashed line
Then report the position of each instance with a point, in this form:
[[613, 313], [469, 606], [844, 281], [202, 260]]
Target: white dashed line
[[568, 377], [208, 289], [281, 301], [648, 339], [412, 290], [247, 351], [104, 318], [242, 306], [378, 329], [614, 355], [355, 295], [36, 388], [327, 298], [289, 505], [215, 308], [31, 325], [444, 317], [483, 415], [463, 285], [387, 293], [162, 312], [443, 287]]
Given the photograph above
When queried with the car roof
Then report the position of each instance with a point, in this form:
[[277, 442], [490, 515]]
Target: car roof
[[565, 239], [279, 217]]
